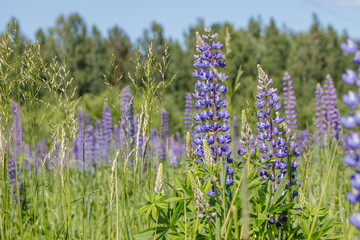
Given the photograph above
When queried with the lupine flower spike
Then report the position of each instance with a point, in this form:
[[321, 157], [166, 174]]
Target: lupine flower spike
[[246, 141], [275, 139], [106, 133], [352, 122], [332, 113], [210, 119], [289, 103]]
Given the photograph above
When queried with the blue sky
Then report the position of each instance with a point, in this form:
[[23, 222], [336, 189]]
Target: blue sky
[[176, 16]]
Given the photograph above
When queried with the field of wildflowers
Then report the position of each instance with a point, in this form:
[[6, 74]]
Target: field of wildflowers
[[125, 177]]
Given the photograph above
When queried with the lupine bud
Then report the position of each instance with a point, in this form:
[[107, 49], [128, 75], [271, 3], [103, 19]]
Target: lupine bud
[[201, 203], [320, 114], [246, 140], [208, 158], [159, 188], [189, 148]]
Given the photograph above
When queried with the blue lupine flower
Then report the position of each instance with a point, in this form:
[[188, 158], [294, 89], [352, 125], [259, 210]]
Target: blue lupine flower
[[275, 139], [352, 140], [355, 220], [351, 100], [106, 133], [97, 142], [349, 47], [332, 113], [289, 102], [349, 77], [13, 176], [89, 151], [356, 58], [78, 144], [211, 117]]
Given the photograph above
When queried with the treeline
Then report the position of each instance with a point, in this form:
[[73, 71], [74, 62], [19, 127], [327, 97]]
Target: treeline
[[88, 54]]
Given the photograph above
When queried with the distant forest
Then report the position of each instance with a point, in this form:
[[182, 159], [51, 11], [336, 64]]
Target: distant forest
[[307, 56]]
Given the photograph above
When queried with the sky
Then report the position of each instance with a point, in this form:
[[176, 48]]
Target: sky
[[176, 16]]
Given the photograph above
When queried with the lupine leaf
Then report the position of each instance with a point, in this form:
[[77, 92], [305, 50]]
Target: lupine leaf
[[280, 189]]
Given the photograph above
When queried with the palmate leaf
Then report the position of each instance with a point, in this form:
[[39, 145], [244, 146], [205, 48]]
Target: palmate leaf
[[280, 190], [282, 208], [150, 232], [143, 209], [179, 211], [174, 199], [146, 234], [177, 235]]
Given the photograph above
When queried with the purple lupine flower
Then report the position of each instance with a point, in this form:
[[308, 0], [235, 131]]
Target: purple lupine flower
[[78, 145], [106, 133], [320, 114], [289, 103], [235, 128], [332, 113], [175, 150], [88, 138], [352, 139], [303, 140], [83, 142], [349, 77], [164, 145], [179, 146], [356, 58], [173, 158], [349, 47], [210, 119], [97, 142], [13, 171], [188, 112], [275, 138], [355, 220], [127, 117]]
